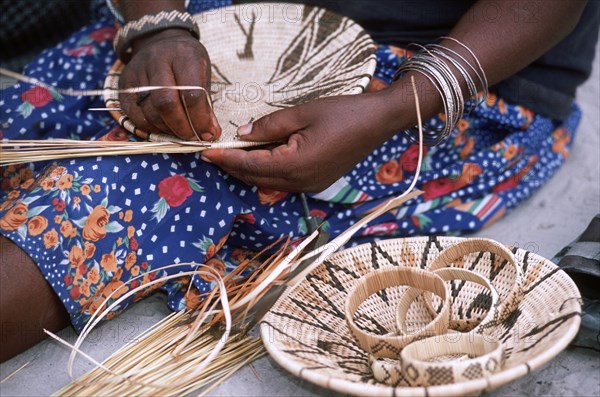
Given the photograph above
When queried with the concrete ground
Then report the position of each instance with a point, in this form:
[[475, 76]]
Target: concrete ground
[[544, 224]]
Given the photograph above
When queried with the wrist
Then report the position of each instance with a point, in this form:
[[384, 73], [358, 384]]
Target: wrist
[[165, 34], [398, 102]]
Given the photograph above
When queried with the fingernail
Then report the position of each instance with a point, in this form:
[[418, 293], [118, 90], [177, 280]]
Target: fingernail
[[204, 158], [207, 136], [245, 129]]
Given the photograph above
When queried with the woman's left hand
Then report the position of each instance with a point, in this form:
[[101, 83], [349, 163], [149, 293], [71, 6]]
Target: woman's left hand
[[320, 142]]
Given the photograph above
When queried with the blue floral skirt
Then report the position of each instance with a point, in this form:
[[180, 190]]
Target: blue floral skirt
[[93, 224]]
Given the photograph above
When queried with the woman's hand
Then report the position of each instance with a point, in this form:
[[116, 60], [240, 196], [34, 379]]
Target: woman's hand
[[320, 142], [170, 57]]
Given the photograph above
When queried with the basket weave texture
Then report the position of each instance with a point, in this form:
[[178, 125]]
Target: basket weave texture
[[306, 331], [269, 56]]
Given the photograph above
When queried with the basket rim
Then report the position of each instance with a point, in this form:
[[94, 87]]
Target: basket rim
[[474, 386], [358, 86]]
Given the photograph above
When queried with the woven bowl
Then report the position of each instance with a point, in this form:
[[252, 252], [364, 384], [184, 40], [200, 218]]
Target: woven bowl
[[306, 331], [268, 56]]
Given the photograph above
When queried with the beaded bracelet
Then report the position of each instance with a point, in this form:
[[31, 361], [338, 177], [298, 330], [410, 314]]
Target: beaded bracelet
[[149, 24]]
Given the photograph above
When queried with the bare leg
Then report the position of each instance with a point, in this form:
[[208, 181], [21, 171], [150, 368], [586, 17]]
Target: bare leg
[[27, 302]]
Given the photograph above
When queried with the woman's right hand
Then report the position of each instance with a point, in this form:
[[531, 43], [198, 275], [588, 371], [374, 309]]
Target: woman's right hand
[[170, 57]]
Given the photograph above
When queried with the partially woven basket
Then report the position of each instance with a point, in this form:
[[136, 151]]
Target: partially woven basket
[[268, 56], [306, 331]]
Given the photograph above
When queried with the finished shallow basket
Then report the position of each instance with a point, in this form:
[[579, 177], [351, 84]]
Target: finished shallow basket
[[306, 331], [269, 56]]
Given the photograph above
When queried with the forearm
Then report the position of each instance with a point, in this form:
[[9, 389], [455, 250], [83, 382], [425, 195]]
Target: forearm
[[506, 36]]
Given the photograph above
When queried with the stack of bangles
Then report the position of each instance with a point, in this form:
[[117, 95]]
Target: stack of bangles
[[434, 61], [434, 354]]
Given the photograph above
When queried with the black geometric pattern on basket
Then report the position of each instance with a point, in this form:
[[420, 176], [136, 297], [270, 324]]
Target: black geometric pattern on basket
[[382, 346], [411, 372], [473, 371], [440, 375], [302, 76], [341, 352], [491, 365]]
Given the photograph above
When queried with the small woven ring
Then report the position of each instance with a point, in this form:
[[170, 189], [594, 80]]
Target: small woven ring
[[390, 345], [455, 273], [419, 367], [472, 245], [149, 24]]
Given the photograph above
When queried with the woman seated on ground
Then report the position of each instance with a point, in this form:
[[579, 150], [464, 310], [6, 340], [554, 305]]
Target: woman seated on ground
[[75, 231]]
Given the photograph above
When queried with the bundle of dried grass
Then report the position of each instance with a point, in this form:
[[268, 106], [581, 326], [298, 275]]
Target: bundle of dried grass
[[30, 151], [190, 349]]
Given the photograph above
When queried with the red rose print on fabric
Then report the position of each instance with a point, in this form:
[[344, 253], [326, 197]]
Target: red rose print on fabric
[[36, 97], [173, 191]]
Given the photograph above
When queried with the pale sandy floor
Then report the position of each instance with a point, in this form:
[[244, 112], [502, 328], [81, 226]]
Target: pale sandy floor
[[544, 224]]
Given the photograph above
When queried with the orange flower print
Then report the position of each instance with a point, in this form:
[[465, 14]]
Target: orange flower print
[[14, 218], [97, 189], [27, 183], [116, 134], [376, 84], [94, 275], [270, 196], [15, 181], [65, 182], [13, 194], [561, 139], [463, 125], [85, 190], [67, 229], [37, 225], [47, 184], [128, 216], [470, 171], [135, 271], [116, 287], [76, 200], [130, 260], [510, 152], [211, 250], [89, 249], [502, 106], [468, 148], [109, 262], [390, 172], [400, 52], [95, 225], [84, 287], [218, 267], [76, 257], [57, 172], [25, 173], [95, 305], [130, 231], [50, 239], [491, 99], [57, 218]]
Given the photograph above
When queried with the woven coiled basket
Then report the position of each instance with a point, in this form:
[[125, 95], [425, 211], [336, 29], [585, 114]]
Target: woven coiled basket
[[306, 331], [269, 56]]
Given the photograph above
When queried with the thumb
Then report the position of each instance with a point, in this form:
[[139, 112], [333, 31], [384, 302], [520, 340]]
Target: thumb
[[275, 126]]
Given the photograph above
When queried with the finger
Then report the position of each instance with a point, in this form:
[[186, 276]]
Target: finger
[[166, 103], [150, 122], [201, 115], [254, 163], [277, 126]]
